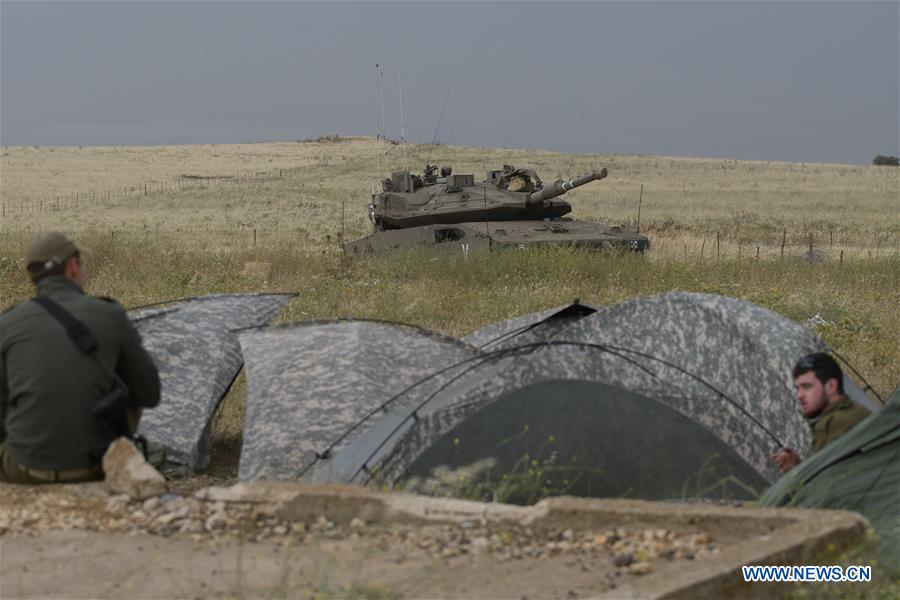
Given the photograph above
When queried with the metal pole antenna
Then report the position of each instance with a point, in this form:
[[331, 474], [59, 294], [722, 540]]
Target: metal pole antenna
[[381, 91], [402, 123], [379, 119]]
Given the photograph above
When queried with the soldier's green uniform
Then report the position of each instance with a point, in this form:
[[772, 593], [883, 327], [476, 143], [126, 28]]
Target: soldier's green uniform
[[48, 387], [834, 421]]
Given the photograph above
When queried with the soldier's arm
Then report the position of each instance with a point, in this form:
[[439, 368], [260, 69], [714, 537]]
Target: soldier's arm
[[136, 368]]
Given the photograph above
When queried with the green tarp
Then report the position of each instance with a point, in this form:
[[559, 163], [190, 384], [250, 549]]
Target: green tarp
[[860, 471]]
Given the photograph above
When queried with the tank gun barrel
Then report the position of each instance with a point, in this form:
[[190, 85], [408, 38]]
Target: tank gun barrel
[[560, 187]]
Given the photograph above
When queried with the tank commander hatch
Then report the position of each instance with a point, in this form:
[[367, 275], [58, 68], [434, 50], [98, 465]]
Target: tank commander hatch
[[73, 373], [830, 414]]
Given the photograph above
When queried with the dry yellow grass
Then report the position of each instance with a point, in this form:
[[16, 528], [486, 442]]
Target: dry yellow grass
[[686, 201]]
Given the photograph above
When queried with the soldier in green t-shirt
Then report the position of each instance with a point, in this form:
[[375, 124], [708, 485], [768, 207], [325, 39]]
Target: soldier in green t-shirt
[[830, 414], [49, 388]]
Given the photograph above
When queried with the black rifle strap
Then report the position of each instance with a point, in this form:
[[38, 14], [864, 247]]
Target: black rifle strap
[[85, 341], [76, 330]]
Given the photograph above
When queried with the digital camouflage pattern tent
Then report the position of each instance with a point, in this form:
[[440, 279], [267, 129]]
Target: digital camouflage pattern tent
[[859, 471], [195, 347], [599, 398], [313, 386]]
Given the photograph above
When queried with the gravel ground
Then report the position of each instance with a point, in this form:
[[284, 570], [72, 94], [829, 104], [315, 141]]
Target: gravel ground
[[611, 554]]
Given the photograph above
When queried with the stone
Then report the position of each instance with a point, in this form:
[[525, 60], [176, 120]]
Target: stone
[[639, 568], [623, 560], [192, 526], [151, 504], [128, 473], [217, 520]]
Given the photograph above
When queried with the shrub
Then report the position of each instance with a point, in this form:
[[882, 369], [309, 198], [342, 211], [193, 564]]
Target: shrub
[[882, 160]]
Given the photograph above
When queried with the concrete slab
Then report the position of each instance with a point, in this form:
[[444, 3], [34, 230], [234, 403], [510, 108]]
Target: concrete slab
[[275, 538], [749, 536]]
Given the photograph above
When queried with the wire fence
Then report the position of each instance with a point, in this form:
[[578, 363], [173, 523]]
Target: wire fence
[[707, 248], [111, 196]]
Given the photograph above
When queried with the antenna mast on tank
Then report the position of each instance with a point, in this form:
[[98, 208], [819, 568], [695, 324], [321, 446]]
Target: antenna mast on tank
[[402, 123], [381, 102], [438, 127], [379, 116]]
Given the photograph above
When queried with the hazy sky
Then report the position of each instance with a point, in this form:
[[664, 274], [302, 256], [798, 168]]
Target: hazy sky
[[803, 81]]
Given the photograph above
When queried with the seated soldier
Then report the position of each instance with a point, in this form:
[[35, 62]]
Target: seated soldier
[[820, 392], [50, 387]]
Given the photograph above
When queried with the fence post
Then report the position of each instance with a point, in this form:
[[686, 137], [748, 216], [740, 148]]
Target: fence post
[[718, 254], [783, 240], [254, 237], [702, 246], [842, 257]]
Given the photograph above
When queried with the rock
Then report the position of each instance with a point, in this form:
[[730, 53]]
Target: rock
[[128, 473], [640, 568], [166, 518], [150, 504], [701, 539], [279, 530], [357, 523], [169, 497], [217, 520], [116, 502], [192, 526], [623, 560]]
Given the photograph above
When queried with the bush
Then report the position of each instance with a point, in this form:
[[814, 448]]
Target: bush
[[883, 160]]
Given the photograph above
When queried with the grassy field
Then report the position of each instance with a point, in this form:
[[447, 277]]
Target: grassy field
[[208, 210]]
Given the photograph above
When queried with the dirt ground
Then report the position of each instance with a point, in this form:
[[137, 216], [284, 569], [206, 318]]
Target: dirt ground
[[80, 564]]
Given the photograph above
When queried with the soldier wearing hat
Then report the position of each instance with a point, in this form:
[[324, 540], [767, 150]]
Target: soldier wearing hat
[[61, 356]]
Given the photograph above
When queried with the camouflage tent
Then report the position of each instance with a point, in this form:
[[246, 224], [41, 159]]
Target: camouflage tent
[[314, 386], [860, 471], [495, 335], [196, 349], [593, 399]]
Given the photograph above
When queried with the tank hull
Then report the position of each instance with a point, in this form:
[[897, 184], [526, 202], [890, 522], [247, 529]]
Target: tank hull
[[471, 237]]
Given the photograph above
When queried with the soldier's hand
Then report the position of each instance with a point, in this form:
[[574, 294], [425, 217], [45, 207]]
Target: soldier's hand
[[786, 459]]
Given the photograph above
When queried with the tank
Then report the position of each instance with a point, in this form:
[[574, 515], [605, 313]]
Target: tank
[[510, 208]]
